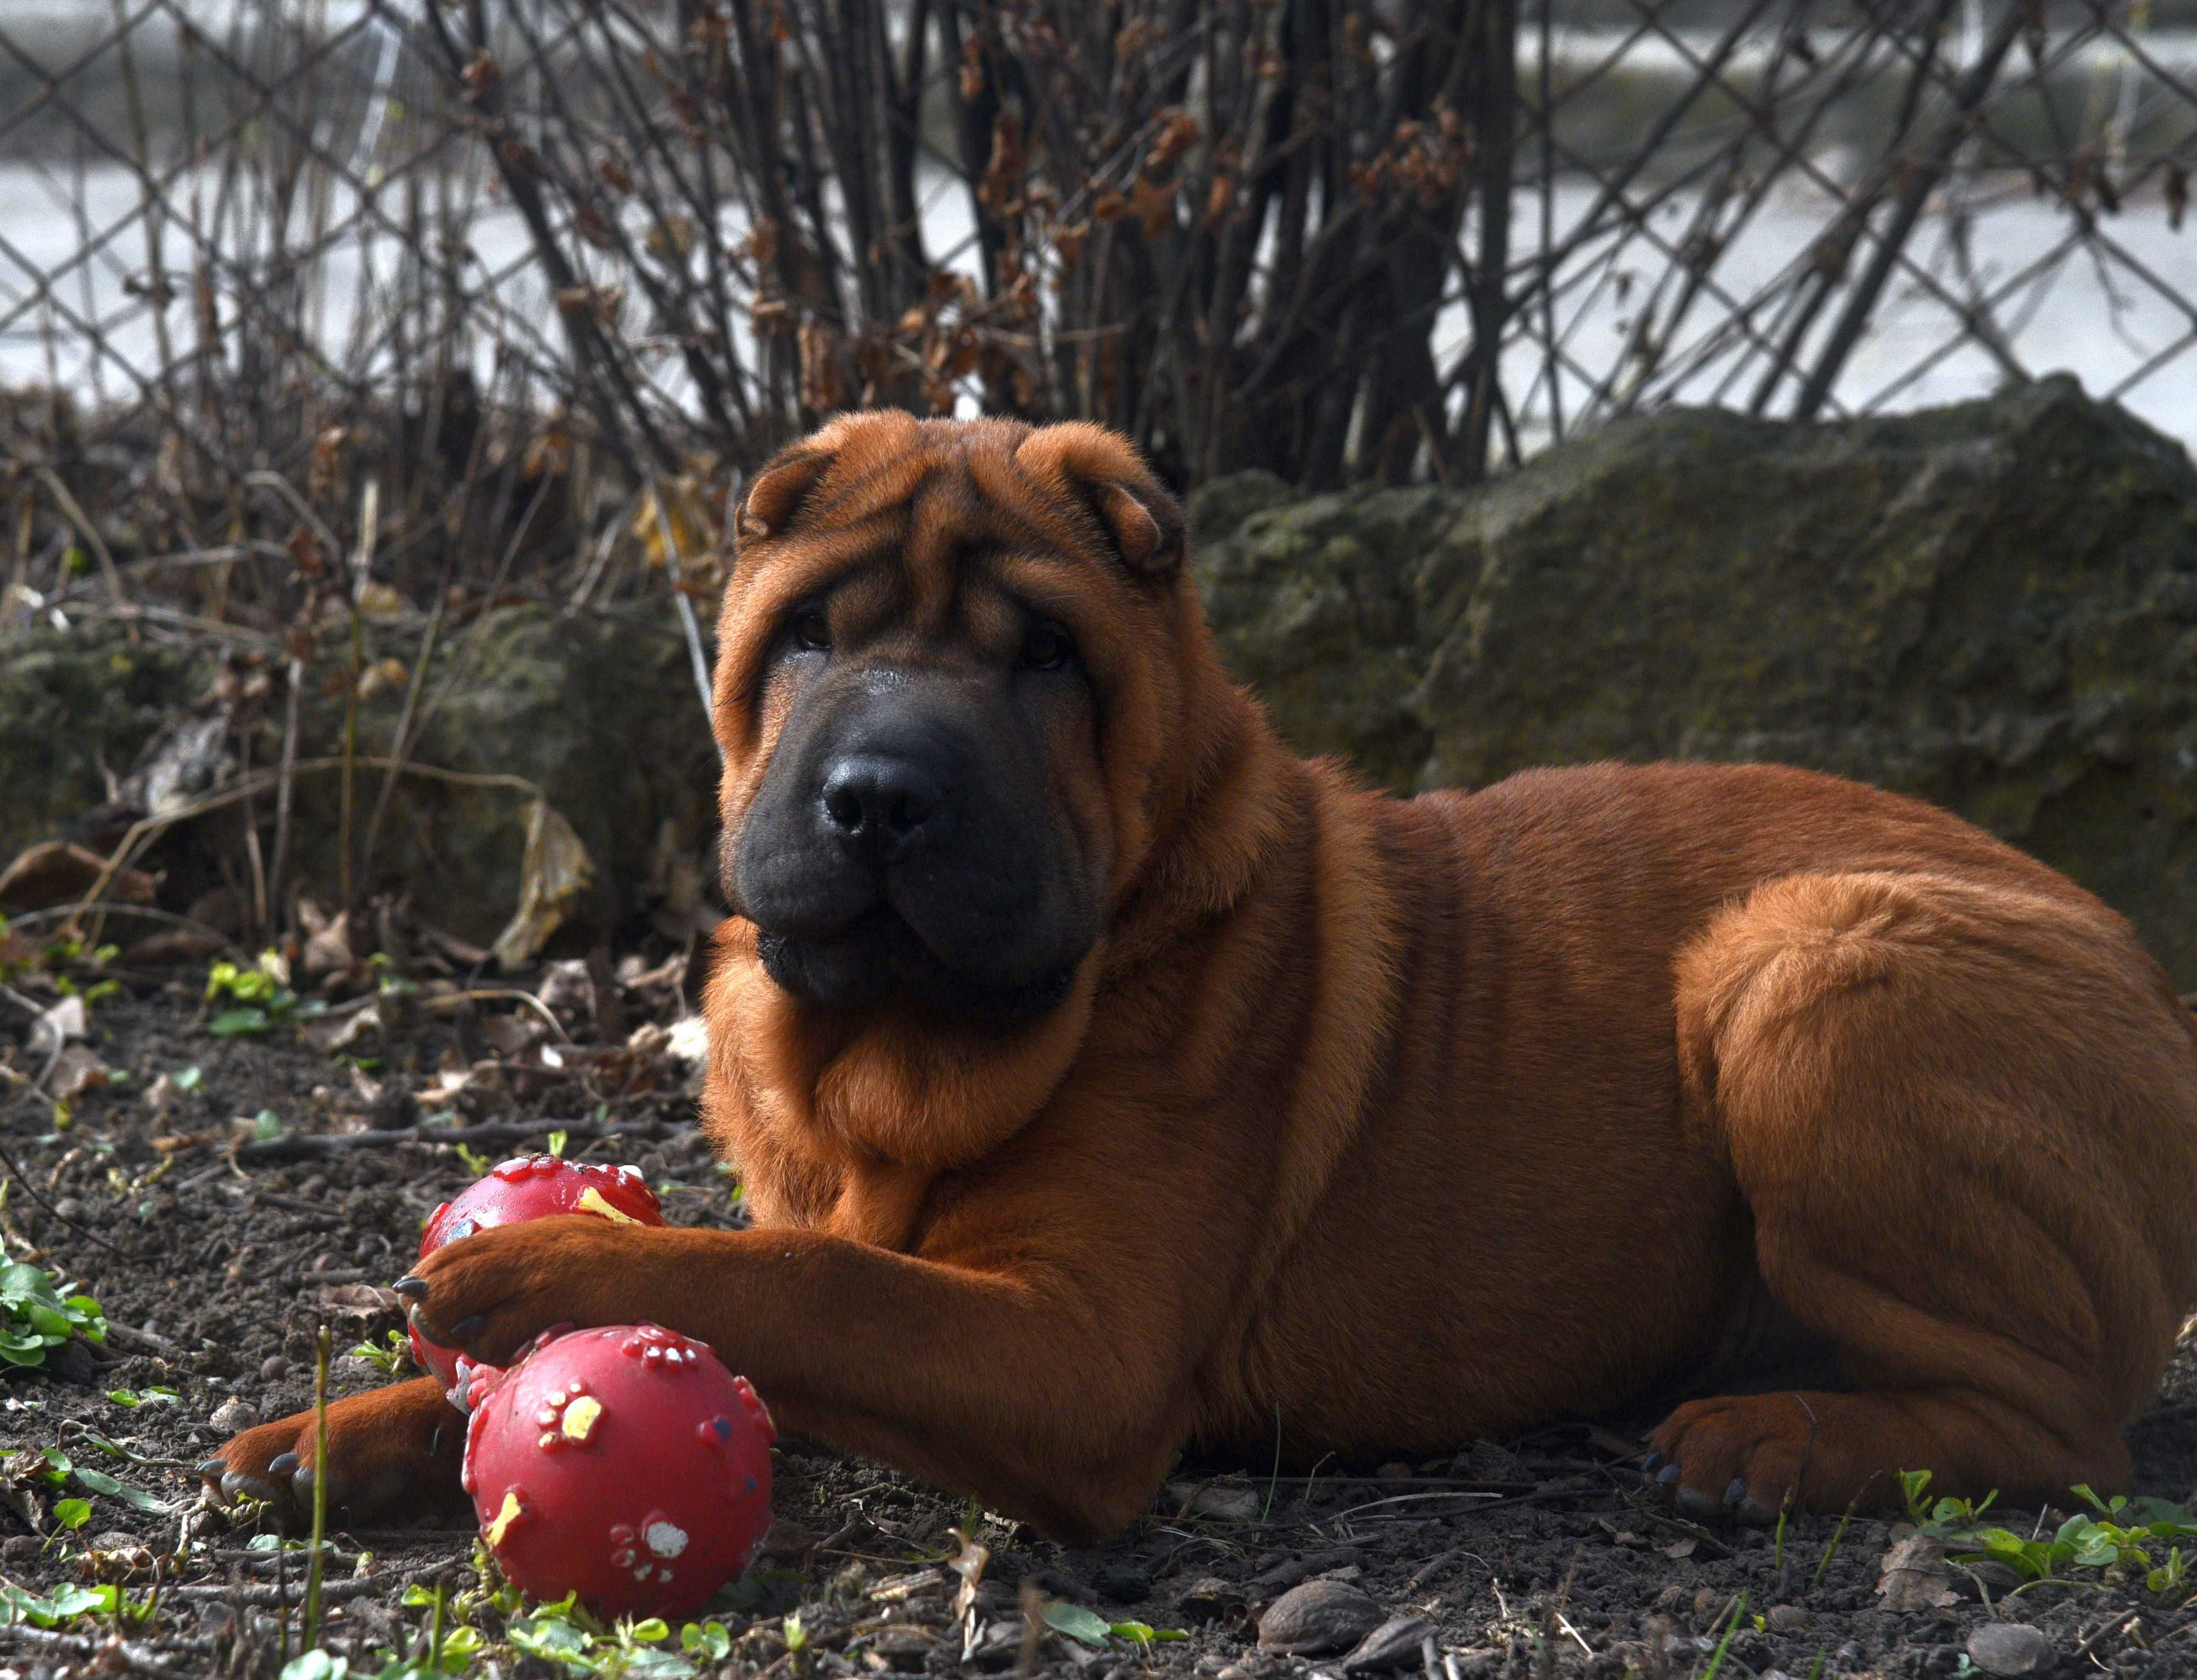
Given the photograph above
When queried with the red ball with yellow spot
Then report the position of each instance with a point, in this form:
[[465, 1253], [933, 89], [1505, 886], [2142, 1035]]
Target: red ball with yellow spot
[[625, 1464], [527, 1187]]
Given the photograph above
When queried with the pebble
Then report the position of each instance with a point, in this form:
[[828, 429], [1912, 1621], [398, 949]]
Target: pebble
[[234, 1417], [1394, 1644], [1121, 1583], [1319, 1617], [2010, 1650], [1985, 1575], [273, 1368], [1233, 1671], [1787, 1617]]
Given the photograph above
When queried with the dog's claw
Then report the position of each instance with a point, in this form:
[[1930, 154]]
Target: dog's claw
[[1666, 1476], [1701, 1507], [414, 1289], [465, 1329], [1651, 1464], [1734, 1492], [1756, 1515], [211, 1469], [251, 1487], [283, 1463]]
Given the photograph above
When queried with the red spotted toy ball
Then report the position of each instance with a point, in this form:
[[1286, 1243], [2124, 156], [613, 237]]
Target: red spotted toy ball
[[530, 1187], [625, 1464]]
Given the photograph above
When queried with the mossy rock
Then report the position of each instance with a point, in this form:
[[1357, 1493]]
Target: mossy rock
[[598, 713], [74, 706], [1992, 606]]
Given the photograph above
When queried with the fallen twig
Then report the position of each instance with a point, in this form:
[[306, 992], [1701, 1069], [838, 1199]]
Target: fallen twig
[[133, 1339], [2104, 1633], [142, 1659], [256, 1597]]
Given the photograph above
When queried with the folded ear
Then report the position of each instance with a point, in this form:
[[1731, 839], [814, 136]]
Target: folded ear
[[1103, 471], [780, 487]]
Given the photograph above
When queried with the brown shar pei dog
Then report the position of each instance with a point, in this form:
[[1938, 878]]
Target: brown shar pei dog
[[1106, 1080]]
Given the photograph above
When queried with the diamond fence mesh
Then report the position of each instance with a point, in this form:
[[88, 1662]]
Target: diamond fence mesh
[[465, 301]]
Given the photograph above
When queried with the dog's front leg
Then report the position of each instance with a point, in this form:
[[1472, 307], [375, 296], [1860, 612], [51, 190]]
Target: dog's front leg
[[1020, 1379], [393, 1450]]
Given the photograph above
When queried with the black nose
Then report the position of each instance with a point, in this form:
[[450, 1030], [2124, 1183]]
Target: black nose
[[881, 804]]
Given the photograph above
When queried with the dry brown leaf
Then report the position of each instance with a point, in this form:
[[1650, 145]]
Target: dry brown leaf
[[555, 871], [57, 873], [1912, 1575]]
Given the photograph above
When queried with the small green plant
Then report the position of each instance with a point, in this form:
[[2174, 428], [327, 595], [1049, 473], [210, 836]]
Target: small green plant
[[35, 1318], [60, 955], [68, 1604], [706, 1642], [564, 1634], [2115, 1538], [1943, 1514], [1087, 1627], [259, 996], [394, 1353], [474, 1161], [130, 1399]]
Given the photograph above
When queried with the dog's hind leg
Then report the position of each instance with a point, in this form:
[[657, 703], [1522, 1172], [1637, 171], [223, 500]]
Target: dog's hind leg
[[1963, 1117]]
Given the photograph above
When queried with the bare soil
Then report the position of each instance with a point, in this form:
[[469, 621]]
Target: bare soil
[[1542, 1556]]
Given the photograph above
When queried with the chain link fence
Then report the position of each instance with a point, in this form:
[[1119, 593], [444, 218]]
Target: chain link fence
[[548, 274]]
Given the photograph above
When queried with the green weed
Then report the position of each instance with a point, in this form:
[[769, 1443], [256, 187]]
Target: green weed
[[35, 1317], [259, 996], [394, 1353], [2120, 1538]]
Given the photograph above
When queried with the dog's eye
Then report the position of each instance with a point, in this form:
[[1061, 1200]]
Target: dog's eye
[[1046, 646], [812, 631]]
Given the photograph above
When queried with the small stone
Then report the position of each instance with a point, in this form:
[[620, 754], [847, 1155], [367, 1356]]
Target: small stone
[[20, 1548], [1317, 1618], [1120, 1583], [1235, 1671], [1787, 1617], [2010, 1650], [1972, 1581], [273, 1368], [1222, 1501], [1394, 1644], [1209, 1599]]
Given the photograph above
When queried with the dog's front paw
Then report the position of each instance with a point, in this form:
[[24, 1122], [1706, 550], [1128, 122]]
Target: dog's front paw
[[488, 1294], [394, 1452]]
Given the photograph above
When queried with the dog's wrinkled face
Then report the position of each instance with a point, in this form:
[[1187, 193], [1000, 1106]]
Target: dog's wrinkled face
[[916, 658]]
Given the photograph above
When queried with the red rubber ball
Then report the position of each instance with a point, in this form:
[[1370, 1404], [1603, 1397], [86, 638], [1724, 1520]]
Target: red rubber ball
[[625, 1464], [529, 1187]]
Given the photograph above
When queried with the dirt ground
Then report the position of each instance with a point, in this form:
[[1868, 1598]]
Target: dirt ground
[[215, 1263]]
